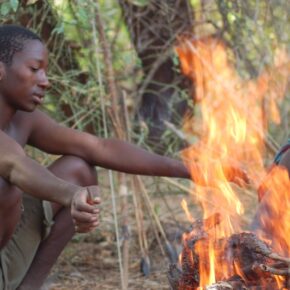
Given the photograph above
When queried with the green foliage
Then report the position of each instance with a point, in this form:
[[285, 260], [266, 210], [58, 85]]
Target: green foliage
[[141, 2], [254, 29], [8, 7]]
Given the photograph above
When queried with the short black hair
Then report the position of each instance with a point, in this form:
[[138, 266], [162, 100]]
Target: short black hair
[[12, 39]]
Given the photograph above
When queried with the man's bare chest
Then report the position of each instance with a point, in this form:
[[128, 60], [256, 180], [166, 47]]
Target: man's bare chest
[[18, 132]]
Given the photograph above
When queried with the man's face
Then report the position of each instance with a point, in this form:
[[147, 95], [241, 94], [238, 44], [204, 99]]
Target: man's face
[[24, 82]]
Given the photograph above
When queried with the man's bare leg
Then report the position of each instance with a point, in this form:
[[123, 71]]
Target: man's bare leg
[[76, 171]]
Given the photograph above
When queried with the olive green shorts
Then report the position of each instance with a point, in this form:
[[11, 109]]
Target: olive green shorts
[[16, 257]]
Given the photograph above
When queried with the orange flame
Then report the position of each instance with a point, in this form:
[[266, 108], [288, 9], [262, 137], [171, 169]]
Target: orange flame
[[274, 216], [274, 208], [231, 120]]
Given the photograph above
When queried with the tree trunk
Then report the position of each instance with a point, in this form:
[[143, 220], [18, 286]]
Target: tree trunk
[[154, 29]]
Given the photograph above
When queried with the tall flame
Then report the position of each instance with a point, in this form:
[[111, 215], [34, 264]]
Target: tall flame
[[232, 123]]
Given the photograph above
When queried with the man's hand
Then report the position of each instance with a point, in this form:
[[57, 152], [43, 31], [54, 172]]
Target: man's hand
[[236, 175], [84, 210], [216, 173]]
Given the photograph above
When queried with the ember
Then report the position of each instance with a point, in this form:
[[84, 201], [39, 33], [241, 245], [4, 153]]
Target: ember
[[217, 252]]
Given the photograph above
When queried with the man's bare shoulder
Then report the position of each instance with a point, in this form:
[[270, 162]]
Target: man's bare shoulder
[[30, 117], [31, 120], [24, 123]]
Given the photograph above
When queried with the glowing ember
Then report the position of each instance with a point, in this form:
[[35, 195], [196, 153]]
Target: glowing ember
[[231, 121]]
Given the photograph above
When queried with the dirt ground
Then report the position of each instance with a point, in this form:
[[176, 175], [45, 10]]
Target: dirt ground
[[90, 261]]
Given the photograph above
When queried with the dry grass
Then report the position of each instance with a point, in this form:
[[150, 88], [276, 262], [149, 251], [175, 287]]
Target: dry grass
[[91, 262]]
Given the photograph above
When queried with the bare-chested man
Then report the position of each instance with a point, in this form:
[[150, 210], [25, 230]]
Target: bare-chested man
[[36, 226]]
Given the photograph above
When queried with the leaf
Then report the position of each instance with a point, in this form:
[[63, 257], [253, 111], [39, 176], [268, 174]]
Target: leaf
[[31, 2], [5, 8], [58, 29], [14, 5]]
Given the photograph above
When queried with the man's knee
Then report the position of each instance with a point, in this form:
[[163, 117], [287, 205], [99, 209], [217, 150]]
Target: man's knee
[[82, 171], [75, 170]]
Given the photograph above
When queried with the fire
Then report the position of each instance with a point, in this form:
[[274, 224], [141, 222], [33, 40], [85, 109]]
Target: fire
[[274, 218], [231, 120], [274, 209]]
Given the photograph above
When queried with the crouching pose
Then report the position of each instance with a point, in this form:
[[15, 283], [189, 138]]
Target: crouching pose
[[41, 208]]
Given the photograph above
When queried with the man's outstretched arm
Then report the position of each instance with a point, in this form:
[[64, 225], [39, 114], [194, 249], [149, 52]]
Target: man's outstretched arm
[[109, 153], [115, 154], [126, 157]]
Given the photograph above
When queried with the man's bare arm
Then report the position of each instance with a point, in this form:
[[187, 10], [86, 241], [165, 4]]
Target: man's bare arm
[[115, 154], [29, 176], [126, 157], [108, 153], [36, 180]]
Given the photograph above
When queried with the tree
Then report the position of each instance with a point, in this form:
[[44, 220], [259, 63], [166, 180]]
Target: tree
[[154, 29]]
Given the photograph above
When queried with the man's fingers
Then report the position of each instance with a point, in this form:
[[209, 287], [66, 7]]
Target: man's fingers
[[84, 212], [93, 195], [237, 175], [85, 228], [82, 201], [84, 206], [84, 217]]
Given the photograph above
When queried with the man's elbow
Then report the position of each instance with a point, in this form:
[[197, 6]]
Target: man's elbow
[[11, 164]]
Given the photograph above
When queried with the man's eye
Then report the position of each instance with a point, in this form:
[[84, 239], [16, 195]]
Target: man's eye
[[34, 69]]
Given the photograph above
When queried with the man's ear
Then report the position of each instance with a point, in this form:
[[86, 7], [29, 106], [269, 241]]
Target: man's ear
[[2, 70]]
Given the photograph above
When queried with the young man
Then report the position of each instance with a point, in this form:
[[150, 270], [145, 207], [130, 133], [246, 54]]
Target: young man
[[35, 226]]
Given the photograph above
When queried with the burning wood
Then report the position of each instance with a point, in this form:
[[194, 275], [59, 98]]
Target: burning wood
[[249, 261], [227, 286]]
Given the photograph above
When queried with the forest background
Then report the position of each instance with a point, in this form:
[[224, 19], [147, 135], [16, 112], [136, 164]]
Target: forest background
[[116, 72]]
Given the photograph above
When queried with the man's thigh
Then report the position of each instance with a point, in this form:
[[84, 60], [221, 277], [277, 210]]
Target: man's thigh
[[36, 222], [17, 255]]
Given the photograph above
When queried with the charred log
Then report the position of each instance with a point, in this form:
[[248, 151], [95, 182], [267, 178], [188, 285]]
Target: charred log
[[249, 259]]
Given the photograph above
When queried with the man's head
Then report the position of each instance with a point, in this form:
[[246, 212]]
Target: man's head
[[12, 40], [23, 65]]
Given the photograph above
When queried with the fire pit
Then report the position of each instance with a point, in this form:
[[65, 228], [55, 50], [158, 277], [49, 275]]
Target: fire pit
[[241, 260], [245, 261]]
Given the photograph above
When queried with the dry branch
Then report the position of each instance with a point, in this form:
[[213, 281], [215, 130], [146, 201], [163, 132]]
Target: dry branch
[[120, 132]]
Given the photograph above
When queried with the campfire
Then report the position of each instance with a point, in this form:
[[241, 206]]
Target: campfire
[[220, 251]]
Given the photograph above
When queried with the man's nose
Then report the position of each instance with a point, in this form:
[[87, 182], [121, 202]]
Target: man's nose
[[43, 80]]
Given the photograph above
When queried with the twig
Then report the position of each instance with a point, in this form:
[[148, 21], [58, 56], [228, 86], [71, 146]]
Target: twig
[[274, 271], [168, 247], [97, 22], [177, 132], [147, 198], [109, 67], [138, 214], [277, 257], [149, 208]]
